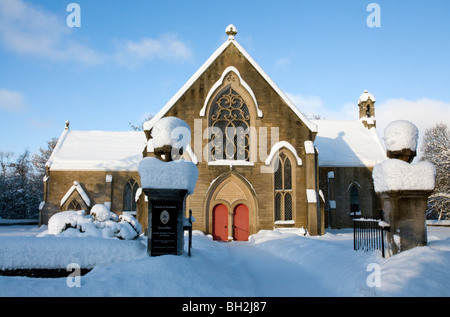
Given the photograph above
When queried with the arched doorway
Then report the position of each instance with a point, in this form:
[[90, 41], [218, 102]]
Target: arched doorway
[[233, 193]]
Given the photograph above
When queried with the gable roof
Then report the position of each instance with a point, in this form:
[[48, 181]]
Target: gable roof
[[76, 186], [98, 151], [348, 143], [231, 41]]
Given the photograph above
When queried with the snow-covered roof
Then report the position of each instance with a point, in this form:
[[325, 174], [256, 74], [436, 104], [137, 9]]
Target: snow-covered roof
[[230, 41], [365, 96], [98, 151], [348, 143], [76, 186]]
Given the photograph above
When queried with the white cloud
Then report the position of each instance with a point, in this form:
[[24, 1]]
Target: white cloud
[[314, 106], [132, 53], [423, 113], [29, 29], [11, 101], [310, 105]]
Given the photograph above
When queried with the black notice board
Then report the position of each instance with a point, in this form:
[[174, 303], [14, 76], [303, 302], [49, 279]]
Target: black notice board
[[164, 227]]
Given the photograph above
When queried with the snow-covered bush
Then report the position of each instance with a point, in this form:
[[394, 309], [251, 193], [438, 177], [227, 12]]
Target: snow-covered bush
[[66, 219], [100, 223], [102, 213], [132, 221]]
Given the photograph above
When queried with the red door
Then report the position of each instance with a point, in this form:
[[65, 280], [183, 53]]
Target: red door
[[220, 223], [240, 218]]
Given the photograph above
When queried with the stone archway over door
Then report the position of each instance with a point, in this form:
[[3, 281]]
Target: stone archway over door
[[232, 192], [220, 222]]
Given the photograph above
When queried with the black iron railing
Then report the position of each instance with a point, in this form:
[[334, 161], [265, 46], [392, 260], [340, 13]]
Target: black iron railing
[[369, 234]]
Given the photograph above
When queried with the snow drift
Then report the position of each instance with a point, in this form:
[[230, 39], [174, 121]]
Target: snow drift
[[272, 263]]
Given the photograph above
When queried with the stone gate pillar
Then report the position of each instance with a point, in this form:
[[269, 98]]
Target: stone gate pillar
[[404, 188], [167, 180]]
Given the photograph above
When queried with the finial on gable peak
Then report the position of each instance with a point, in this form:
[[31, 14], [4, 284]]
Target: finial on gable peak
[[67, 124], [231, 31]]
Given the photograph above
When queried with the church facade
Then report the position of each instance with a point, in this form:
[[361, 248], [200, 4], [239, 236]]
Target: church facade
[[262, 164]]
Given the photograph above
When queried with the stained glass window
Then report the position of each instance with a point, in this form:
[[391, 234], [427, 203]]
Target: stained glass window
[[230, 122]]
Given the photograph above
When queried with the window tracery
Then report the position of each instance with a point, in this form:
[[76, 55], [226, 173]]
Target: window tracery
[[283, 189], [230, 122]]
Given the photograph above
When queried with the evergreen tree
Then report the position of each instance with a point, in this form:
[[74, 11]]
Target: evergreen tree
[[21, 185], [25, 195]]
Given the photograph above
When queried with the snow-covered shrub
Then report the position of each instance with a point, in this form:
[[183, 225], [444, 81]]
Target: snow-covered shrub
[[100, 223], [132, 221], [126, 231], [67, 219], [102, 213]]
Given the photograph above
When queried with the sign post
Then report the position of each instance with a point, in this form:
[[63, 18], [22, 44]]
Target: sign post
[[165, 221], [167, 180]]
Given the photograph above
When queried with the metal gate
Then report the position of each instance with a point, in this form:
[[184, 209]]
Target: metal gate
[[369, 234]]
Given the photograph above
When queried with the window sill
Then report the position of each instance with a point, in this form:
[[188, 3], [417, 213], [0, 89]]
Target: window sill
[[285, 222], [231, 163]]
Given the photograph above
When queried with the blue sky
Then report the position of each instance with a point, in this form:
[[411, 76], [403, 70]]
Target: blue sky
[[129, 58]]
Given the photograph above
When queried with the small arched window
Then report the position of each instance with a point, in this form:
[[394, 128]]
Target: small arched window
[[74, 205], [283, 189], [229, 121], [129, 202], [354, 199]]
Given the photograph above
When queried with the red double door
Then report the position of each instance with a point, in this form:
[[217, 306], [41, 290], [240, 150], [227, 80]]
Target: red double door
[[240, 223]]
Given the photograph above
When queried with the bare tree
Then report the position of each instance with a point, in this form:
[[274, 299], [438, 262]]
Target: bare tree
[[39, 161], [5, 158], [436, 149], [140, 127]]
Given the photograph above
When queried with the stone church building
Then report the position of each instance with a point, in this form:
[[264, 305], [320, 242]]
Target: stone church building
[[280, 171]]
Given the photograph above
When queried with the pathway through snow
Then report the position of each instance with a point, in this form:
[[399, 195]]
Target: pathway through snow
[[273, 276]]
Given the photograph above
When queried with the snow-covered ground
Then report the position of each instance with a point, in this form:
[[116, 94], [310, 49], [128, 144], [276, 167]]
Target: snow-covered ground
[[271, 264]]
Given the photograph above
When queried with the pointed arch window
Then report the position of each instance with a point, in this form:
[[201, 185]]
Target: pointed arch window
[[74, 205], [129, 202], [355, 208], [283, 189], [229, 121]]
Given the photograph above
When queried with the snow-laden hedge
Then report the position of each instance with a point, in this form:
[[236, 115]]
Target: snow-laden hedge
[[52, 252], [100, 223]]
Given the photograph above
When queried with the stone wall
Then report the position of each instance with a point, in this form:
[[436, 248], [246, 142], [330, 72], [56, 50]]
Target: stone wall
[[95, 185], [337, 189]]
